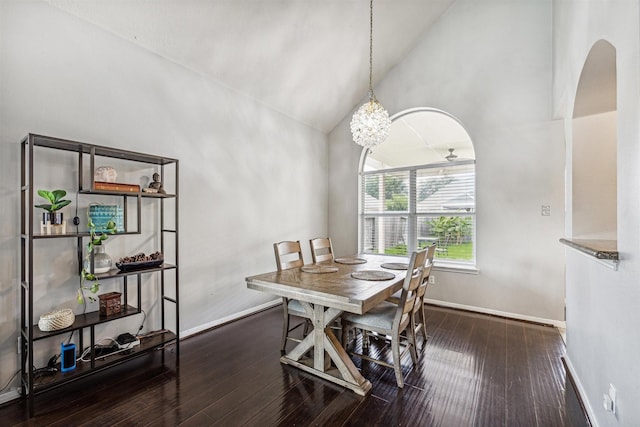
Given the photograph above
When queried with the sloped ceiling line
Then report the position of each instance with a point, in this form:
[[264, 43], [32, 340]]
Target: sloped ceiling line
[[304, 58]]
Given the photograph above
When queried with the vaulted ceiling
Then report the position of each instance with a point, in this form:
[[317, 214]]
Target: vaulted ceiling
[[308, 59]]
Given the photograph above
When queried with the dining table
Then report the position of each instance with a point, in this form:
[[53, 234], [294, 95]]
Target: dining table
[[353, 284]]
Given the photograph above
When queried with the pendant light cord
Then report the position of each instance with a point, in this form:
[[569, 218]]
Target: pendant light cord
[[370, 123], [371, 95]]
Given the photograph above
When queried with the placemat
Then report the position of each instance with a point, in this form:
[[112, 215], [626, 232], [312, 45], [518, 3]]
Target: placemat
[[316, 269], [350, 260], [395, 265], [372, 275]]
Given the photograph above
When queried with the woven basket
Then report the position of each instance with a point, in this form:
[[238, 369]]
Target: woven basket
[[57, 319]]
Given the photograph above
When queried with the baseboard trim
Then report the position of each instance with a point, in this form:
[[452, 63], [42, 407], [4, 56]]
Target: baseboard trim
[[232, 318], [577, 385], [516, 316], [237, 316], [10, 395]]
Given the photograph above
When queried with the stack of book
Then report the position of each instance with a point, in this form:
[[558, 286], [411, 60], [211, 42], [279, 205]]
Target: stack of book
[[116, 186]]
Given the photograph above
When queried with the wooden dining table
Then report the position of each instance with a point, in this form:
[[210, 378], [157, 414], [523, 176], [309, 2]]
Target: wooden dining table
[[325, 296]]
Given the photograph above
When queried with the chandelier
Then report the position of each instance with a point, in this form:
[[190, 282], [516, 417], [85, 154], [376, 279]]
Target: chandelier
[[370, 124]]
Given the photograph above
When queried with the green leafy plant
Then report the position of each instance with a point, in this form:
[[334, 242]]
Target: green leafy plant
[[88, 280], [458, 227], [397, 202], [54, 198]]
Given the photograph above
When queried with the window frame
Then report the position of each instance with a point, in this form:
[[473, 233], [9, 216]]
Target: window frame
[[412, 214]]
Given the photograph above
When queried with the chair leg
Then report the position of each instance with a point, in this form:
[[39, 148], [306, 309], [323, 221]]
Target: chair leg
[[411, 337], [423, 321], [306, 328], [413, 326], [285, 326], [344, 335], [395, 349]]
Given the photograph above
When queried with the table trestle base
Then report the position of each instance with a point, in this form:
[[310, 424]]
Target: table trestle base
[[324, 343], [332, 375]]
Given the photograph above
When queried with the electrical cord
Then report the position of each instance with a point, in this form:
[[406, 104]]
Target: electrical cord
[[88, 350], [110, 339], [70, 336], [144, 319], [76, 222], [10, 380]]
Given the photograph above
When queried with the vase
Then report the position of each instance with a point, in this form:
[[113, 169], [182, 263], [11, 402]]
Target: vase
[[52, 223], [101, 260]]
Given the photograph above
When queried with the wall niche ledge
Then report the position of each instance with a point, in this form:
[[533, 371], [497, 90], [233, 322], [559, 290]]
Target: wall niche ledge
[[603, 250]]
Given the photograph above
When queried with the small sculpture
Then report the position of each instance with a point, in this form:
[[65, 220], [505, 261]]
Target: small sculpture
[[157, 184]]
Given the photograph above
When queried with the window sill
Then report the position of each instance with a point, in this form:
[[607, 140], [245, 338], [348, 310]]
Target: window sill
[[452, 267]]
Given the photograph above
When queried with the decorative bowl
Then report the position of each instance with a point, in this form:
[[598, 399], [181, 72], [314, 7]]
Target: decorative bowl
[[57, 319], [105, 174], [129, 266]]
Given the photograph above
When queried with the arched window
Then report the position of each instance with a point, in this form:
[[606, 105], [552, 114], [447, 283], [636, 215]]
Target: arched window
[[418, 187]]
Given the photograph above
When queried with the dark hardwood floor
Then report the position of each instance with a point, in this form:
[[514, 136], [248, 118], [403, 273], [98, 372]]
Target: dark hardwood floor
[[474, 370]]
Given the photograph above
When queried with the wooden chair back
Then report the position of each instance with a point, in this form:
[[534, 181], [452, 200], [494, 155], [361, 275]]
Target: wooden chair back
[[422, 289], [288, 254], [409, 294], [321, 249]]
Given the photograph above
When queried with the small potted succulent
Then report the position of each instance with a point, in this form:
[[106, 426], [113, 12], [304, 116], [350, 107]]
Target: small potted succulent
[[51, 216]]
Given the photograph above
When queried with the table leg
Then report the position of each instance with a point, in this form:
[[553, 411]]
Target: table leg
[[318, 338], [324, 342]]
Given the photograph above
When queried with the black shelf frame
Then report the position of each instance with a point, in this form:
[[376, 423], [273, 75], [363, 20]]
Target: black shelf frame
[[29, 331]]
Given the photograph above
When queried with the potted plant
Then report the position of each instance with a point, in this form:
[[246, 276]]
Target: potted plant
[[51, 216], [101, 261]]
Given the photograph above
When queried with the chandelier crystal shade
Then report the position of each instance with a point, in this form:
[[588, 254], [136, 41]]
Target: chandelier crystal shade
[[370, 123]]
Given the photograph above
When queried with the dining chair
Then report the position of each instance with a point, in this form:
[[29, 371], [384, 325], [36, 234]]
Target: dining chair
[[389, 319], [321, 249], [418, 310], [289, 255], [420, 326]]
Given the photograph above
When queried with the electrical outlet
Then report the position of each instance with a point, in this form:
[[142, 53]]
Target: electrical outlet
[[612, 395], [432, 280], [545, 210], [609, 400]]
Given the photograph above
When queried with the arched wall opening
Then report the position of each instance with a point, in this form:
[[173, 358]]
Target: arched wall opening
[[594, 147]]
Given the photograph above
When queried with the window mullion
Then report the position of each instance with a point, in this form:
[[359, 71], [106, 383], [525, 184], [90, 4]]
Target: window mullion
[[412, 237]]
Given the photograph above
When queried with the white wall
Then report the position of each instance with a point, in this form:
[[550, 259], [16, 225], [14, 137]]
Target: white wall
[[249, 176], [602, 304], [489, 64]]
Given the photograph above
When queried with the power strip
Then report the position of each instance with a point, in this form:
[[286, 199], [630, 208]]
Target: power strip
[[126, 341], [129, 345]]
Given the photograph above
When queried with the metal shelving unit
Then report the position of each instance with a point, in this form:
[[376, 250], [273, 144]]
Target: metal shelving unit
[[30, 333]]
